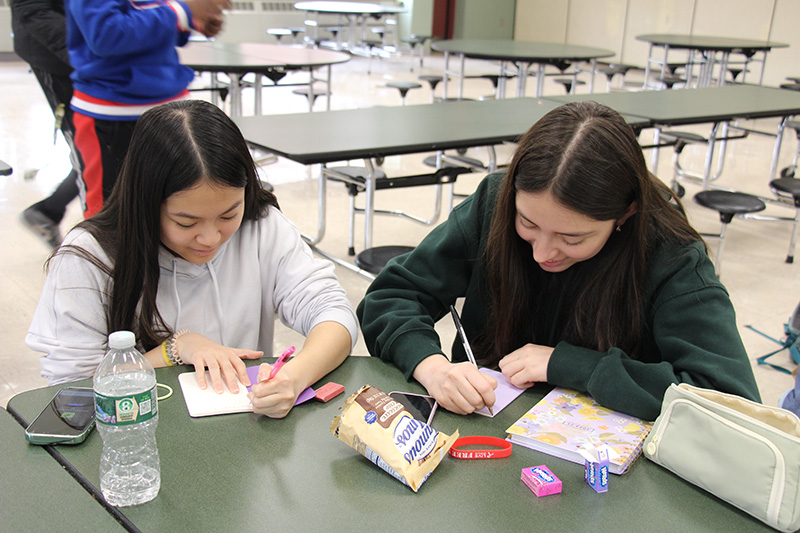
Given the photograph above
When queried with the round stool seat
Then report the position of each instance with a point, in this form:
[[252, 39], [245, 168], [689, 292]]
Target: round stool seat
[[729, 203], [403, 86], [787, 185], [374, 259]]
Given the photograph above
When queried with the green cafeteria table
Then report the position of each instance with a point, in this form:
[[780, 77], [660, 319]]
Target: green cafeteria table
[[244, 472], [36, 493], [714, 105]]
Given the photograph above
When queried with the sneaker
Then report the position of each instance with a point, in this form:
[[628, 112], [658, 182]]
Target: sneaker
[[42, 225]]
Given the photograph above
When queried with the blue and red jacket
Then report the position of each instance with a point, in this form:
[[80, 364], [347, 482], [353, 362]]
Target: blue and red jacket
[[123, 53]]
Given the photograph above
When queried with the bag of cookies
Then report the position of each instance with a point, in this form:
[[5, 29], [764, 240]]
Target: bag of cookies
[[383, 431]]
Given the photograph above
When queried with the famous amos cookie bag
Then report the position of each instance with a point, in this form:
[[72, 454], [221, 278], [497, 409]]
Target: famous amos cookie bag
[[380, 429]]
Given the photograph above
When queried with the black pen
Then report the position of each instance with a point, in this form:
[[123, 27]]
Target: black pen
[[467, 348]]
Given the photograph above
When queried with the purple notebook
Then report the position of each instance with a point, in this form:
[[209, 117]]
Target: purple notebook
[[252, 373]]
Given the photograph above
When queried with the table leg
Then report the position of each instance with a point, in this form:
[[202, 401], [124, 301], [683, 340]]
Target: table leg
[[723, 68], [257, 88], [461, 77], [522, 69], [446, 74], [656, 149], [539, 79], [236, 95], [712, 138], [322, 205], [776, 150], [501, 81], [214, 89], [328, 89], [647, 66], [369, 208], [353, 28]]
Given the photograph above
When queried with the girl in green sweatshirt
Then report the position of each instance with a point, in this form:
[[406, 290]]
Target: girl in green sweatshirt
[[577, 267]]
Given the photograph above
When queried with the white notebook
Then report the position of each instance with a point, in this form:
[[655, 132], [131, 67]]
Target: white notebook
[[206, 402]]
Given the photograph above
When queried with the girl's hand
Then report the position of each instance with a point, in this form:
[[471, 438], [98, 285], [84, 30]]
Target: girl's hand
[[458, 387], [276, 397], [224, 364], [527, 365]]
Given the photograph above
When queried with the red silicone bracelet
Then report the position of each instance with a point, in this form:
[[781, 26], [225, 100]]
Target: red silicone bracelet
[[503, 448]]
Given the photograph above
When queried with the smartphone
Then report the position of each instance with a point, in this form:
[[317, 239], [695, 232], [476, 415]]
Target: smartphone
[[67, 419], [420, 406]]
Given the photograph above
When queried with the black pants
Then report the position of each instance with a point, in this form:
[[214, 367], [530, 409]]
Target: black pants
[[58, 91], [102, 145]]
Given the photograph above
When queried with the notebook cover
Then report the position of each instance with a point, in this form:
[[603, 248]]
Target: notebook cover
[[565, 419]]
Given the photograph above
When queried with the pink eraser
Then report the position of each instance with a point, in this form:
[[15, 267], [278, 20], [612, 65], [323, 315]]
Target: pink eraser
[[328, 391], [541, 480]]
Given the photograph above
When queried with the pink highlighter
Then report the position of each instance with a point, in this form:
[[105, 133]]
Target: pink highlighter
[[280, 362]]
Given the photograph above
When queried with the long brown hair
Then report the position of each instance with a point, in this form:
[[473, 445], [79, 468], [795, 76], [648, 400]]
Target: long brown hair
[[174, 147], [588, 159]]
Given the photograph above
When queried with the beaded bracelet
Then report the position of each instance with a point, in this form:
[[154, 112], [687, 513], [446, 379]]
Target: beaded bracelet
[[172, 352], [164, 354]]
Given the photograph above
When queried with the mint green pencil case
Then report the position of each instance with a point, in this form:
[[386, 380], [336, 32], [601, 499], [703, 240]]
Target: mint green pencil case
[[743, 452]]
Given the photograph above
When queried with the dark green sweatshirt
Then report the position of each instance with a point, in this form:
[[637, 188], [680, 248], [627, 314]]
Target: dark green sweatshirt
[[690, 331]]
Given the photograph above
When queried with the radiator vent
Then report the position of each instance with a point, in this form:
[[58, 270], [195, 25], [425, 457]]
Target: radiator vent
[[260, 7]]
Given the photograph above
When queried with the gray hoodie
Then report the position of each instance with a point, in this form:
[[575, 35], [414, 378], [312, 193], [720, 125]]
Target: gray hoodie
[[264, 271]]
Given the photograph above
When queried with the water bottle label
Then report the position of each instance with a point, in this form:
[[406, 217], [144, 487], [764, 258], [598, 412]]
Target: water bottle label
[[124, 410]]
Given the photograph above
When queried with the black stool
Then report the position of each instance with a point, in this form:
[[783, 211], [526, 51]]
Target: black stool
[[417, 41], [791, 187], [612, 69], [568, 83], [5, 169], [403, 87], [728, 204], [309, 94], [788, 172], [433, 80], [374, 259]]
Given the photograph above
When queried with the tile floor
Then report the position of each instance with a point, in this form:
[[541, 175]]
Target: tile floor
[[764, 289]]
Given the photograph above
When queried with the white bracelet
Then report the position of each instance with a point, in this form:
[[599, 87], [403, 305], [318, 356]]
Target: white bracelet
[[172, 352]]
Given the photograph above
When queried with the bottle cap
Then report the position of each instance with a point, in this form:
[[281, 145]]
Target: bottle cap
[[121, 340]]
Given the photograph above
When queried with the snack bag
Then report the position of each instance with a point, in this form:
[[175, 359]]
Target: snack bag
[[380, 429]]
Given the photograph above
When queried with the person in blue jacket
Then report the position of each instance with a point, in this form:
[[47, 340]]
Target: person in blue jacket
[[125, 62]]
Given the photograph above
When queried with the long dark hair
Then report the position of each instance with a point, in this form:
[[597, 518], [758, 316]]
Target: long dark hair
[[173, 148], [588, 159]]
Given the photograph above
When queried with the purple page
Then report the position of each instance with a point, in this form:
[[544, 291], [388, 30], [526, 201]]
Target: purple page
[[504, 394], [252, 373]]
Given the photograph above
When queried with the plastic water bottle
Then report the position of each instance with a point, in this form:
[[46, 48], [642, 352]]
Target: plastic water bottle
[[126, 409]]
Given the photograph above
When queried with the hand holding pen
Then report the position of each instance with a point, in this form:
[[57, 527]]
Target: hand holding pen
[[279, 363], [274, 394], [467, 348]]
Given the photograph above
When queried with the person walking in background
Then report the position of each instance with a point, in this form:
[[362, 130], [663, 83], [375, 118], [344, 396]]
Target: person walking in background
[[40, 38], [123, 53]]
